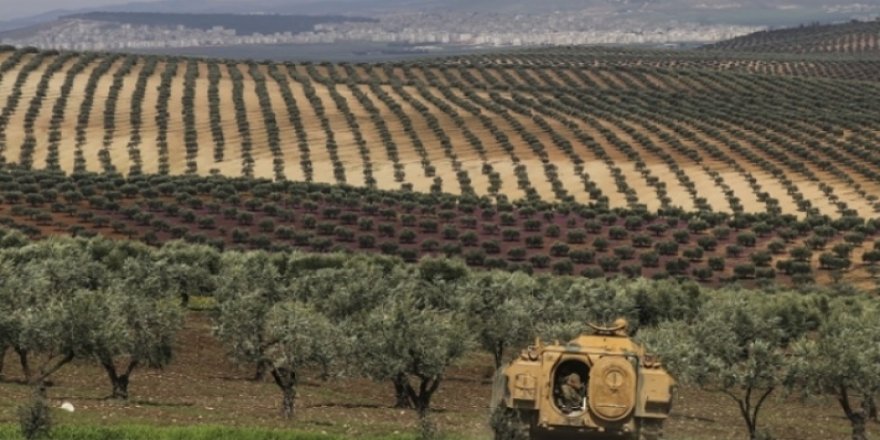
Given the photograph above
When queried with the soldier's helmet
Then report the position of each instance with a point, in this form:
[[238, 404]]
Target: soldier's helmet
[[621, 326]]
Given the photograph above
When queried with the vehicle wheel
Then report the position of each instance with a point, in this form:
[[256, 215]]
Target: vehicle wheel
[[510, 424], [651, 430]]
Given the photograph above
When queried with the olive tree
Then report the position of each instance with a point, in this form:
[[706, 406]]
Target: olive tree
[[843, 360], [49, 304], [247, 287], [296, 337], [734, 346], [503, 311], [569, 305], [143, 318], [261, 323], [408, 337], [189, 269]]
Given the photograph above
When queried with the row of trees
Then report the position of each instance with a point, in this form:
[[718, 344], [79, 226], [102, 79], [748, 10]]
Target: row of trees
[[582, 112], [524, 236], [119, 77], [36, 103], [59, 110], [85, 108], [136, 117], [288, 315], [748, 349], [15, 94]]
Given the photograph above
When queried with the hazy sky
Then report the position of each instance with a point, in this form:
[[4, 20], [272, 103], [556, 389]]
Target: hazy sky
[[23, 8]]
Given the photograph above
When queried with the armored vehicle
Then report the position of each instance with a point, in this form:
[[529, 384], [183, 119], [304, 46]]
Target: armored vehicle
[[600, 385]]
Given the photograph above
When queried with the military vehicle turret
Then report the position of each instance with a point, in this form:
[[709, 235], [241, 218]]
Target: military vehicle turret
[[599, 385]]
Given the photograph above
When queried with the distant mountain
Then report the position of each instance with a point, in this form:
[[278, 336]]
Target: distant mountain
[[8, 25], [772, 13], [862, 38]]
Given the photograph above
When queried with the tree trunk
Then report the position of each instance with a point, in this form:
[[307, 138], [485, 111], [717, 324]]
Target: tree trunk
[[750, 412], [422, 398], [119, 381], [402, 399], [25, 365], [49, 368], [260, 373], [288, 395], [422, 401], [869, 405], [285, 378], [857, 417], [2, 359], [859, 431], [498, 354]]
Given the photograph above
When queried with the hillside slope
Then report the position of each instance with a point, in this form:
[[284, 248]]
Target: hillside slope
[[621, 136], [861, 38]]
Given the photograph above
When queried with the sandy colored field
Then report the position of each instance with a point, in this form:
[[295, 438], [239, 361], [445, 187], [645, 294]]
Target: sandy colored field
[[809, 189], [118, 146], [639, 184], [286, 134], [406, 152], [15, 138], [260, 152], [94, 130], [431, 142], [595, 168], [346, 133], [658, 168], [732, 178], [346, 147], [321, 164], [67, 145], [205, 155], [53, 92], [470, 159], [8, 79], [44, 120], [857, 132], [382, 168], [149, 127], [231, 164], [416, 74], [4, 55], [495, 154], [571, 182], [176, 146], [704, 183], [532, 162]]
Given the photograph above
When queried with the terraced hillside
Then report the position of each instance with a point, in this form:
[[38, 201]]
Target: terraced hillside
[[862, 38], [617, 136], [835, 66]]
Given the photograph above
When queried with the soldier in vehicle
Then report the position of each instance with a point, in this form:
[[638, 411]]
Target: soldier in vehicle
[[572, 392]]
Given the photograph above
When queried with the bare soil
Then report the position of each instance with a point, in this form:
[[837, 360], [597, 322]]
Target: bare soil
[[202, 386]]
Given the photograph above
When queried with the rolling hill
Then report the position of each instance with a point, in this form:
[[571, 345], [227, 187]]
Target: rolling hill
[[858, 38], [729, 157], [534, 125]]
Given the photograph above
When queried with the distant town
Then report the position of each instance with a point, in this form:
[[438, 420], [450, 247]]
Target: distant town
[[463, 29]]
